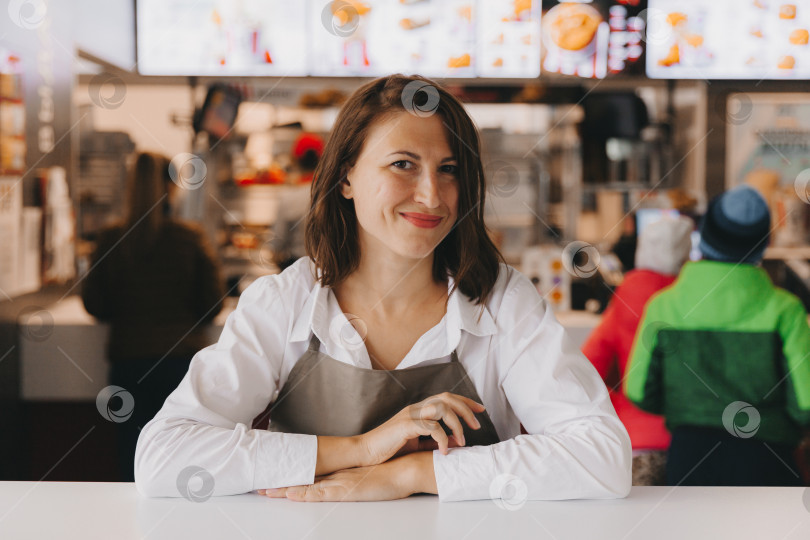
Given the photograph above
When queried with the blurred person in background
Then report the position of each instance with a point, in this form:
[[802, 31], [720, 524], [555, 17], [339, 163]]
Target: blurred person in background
[[663, 248], [156, 282], [722, 354], [625, 246]]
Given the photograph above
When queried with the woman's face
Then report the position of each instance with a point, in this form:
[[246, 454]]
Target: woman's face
[[404, 186]]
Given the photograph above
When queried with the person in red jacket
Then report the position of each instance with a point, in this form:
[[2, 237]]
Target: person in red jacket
[[663, 247]]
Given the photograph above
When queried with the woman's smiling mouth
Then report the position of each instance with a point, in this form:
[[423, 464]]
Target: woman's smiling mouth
[[424, 221]]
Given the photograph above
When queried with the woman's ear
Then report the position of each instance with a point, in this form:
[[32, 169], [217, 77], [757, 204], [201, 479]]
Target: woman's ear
[[346, 187]]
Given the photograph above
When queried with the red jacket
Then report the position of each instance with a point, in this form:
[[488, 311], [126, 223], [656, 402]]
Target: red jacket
[[608, 348]]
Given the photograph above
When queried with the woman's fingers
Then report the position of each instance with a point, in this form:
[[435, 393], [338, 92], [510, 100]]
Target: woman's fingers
[[427, 445], [452, 421], [436, 407], [311, 493], [314, 491], [461, 406], [448, 407], [466, 413], [399, 435], [275, 493], [473, 405], [440, 437]]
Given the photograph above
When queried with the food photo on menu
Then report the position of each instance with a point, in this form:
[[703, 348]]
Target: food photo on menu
[[728, 39], [372, 37], [593, 39], [509, 44]]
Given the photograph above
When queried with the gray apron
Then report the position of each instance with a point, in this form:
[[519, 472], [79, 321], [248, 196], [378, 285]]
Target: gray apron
[[324, 396]]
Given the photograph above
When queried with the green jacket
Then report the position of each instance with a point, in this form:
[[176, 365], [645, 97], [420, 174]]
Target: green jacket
[[723, 333]]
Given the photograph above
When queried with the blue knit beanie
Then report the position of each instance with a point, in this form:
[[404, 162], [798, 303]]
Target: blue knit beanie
[[736, 227]]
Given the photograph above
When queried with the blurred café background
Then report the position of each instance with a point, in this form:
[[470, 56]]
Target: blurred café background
[[597, 117]]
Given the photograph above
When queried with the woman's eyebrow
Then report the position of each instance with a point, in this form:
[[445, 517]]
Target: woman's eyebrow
[[416, 156], [409, 154]]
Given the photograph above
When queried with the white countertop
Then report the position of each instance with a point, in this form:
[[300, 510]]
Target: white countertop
[[51, 510]]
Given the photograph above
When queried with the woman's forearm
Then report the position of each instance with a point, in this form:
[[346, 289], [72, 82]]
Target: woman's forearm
[[415, 470], [418, 472], [338, 453]]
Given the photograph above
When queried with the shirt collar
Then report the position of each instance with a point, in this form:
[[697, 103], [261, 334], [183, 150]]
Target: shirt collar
[[304, 323], [462, 313], [472, 318]]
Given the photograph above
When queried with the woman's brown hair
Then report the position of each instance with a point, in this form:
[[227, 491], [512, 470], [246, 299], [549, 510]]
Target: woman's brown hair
[[147, 193], [466, 253]]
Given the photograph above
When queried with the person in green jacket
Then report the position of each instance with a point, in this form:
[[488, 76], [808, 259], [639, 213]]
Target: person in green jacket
[[724, 356]]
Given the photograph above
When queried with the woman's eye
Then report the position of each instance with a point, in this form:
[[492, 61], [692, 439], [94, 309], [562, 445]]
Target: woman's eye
[[449, 169], [403, 164]]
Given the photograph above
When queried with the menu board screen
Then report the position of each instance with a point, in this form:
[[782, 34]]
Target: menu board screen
[[221, 37], [376, 37], [593, 39], [728, 39], [342, 38], [438, 38], [508, 38]]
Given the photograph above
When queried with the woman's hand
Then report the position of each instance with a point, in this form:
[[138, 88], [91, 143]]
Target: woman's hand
[[395, 479], [400, 435]]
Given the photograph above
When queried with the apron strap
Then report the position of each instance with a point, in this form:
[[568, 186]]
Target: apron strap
[[314, 343]]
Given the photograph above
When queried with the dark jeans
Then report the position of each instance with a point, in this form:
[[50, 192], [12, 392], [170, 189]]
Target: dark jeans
[[149, 395], [701, 456]]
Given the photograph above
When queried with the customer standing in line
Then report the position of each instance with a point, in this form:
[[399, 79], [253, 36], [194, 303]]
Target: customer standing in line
[[724, 355], [156, 282], [663, 247]]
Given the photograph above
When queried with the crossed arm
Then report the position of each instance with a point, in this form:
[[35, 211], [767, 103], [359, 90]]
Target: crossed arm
[[390, 461]]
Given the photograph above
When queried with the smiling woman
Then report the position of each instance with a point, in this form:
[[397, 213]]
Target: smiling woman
[[377, 140], [401, 355]]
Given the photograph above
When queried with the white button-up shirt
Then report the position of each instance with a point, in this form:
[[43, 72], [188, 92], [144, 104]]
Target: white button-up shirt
[[516, 353]]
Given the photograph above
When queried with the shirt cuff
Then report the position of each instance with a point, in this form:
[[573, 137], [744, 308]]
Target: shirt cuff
[[464, 474], [284, 459]]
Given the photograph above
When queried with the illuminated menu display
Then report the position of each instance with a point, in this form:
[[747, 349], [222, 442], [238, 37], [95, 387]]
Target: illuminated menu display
[[221, 37], [593, 39], [343, 38], [728, 39]]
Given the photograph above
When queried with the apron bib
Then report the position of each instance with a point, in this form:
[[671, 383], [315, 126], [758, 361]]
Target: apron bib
[[327, 397]]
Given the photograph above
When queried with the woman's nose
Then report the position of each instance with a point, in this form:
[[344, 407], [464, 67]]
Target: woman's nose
[[427, 189]]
